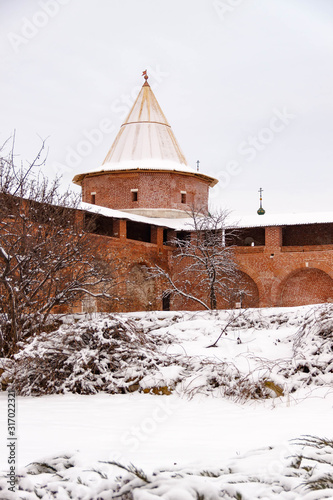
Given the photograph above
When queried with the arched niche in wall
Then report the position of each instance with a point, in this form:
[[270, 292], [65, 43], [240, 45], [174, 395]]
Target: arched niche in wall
[[242, 292], [306, 286], [141, 289]]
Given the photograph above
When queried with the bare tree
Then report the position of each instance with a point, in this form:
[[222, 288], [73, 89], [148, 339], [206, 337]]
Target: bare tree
[[47, 259], [203, 263]]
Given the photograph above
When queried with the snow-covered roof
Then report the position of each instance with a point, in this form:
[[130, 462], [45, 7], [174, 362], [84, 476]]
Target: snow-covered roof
[[177, 224], [281, 219], [144, 164], [145, 141], [185, 224]]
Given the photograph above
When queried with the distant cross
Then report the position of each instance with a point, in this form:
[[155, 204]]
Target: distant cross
[[198, 163], [260, 191], [261, 211]]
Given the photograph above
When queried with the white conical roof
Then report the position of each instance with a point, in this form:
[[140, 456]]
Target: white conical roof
[[146, 135], [145, 141]]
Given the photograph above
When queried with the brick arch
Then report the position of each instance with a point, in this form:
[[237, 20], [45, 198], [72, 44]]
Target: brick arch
[[255, 277], [250, 298], [305, 285], [242, 291], [140, 289]]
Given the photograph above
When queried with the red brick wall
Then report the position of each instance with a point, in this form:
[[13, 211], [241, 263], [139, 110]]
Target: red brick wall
[[308, 286], [273, 237], [272, 267], [131, 259], [241, 291], [274, 275], [250, 293], [155, 190]]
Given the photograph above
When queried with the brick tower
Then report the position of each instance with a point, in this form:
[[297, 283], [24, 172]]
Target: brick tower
[[145, 171]]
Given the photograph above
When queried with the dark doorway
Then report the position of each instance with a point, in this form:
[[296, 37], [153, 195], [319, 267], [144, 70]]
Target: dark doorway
[[166, 302]]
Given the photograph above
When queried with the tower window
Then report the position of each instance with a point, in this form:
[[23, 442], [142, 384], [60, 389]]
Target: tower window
[[134, 194], [183, 196], [93, 198]]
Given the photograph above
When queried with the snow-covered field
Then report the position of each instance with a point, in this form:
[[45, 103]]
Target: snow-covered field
[[195, 442]]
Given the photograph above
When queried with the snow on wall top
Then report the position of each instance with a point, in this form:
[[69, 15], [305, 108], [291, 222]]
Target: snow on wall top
[[281, 219], [177, 224], [144, 164], [185, 224]]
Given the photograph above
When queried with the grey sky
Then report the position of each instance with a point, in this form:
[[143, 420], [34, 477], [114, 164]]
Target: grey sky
[[247, 87]]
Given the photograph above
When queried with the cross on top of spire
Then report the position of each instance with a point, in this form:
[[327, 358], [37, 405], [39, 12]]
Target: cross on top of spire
[[261, 211], [144, 74]]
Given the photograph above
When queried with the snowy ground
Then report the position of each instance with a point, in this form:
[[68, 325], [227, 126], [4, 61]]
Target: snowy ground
[[244, 446]]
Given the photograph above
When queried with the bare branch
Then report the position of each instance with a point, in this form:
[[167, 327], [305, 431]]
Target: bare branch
[[204, 261], [47, 257], [175, 289]]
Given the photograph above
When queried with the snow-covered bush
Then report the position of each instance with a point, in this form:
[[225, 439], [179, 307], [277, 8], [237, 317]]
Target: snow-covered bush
[[312, 351], [148, 353], [117, 355], [106, 354], [6, 367], [316, 458], [266, 473]]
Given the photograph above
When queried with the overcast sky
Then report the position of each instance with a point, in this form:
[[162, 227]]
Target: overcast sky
[[247, 87]]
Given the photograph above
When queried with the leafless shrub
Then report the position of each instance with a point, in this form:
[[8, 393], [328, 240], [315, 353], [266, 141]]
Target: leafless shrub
[[109, 355], [204, 260], [47, 260]]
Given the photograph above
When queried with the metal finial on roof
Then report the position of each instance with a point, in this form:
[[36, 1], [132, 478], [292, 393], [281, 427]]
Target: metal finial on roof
[[144, 74], [198, 163], [260, 211]]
